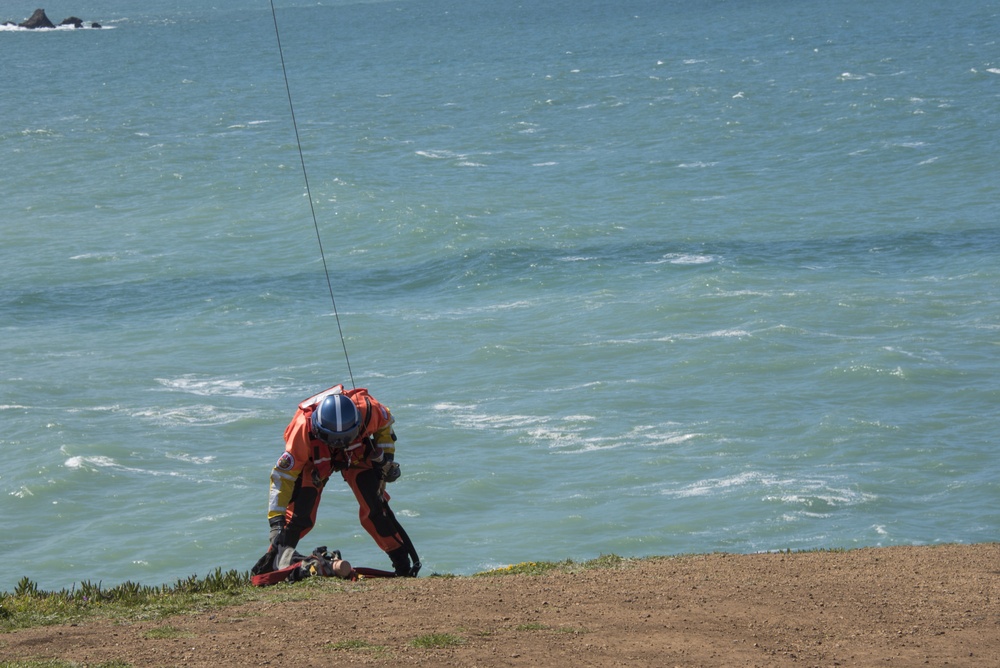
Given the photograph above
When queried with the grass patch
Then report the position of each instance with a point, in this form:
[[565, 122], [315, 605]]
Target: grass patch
[[526, 568], [572, 631], [29, 606], [358, 646], [167, 632], [436, 641], [567, 566], [534, 626]]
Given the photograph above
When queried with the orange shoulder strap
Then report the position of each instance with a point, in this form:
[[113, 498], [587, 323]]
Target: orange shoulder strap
[[320, 396]]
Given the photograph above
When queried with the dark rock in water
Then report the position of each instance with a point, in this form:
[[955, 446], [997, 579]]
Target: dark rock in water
[[37, 20], [40, 20]]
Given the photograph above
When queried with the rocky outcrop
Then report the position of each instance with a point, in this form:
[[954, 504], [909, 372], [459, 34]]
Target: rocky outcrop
[[40, 20]]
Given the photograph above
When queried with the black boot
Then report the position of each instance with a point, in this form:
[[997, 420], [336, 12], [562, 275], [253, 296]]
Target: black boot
[[400, 561]]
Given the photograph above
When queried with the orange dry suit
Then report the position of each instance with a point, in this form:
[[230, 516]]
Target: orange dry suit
[[302, 471]]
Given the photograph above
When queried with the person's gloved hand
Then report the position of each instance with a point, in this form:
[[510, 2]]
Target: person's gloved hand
[[277, 529], [390, 471]]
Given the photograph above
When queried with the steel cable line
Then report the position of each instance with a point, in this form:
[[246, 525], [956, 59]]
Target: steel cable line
[[305, 178]]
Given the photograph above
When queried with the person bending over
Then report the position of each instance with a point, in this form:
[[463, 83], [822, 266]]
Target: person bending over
[[336, 430]]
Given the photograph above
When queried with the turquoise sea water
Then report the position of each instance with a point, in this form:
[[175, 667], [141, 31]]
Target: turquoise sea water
[[644, 277]]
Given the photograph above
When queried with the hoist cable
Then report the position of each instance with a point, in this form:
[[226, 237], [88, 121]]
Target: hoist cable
[[312, 209]]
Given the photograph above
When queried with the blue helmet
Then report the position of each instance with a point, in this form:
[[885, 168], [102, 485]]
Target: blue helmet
[[336, 421]]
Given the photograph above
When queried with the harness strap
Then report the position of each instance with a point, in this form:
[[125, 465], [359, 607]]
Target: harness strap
[[368, 413]]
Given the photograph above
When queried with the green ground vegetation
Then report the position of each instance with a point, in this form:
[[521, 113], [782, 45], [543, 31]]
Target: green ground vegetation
[[29, 606]]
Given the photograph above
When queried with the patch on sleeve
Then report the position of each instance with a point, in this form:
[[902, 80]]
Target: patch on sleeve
[[285, 462]]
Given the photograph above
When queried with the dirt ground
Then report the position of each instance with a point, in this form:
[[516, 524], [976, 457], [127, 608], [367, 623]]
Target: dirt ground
[[896, 606]]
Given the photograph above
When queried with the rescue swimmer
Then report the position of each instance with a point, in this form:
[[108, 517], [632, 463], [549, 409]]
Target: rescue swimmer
[[345, 431]]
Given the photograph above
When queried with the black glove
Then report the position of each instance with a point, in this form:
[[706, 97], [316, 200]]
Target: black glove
[[277, 525], [387, 469], [281, 535], [265, 564], [390, 472], [277, 538]]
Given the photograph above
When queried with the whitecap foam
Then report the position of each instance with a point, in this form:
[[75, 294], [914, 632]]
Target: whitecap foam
[[727, 334], [711, 486], [716, 334], [221, 387], [686, 258], [184, 457], [573, 388], [438, 155], [80, 462], [808, 497], [447, 406], [575, 439], [593, 446], [481, 421], [818, 497], [98, 257], [556, 437], [95, 462], [66, 28], [743, 293], [199, 414], [488, 308], [670, 439]]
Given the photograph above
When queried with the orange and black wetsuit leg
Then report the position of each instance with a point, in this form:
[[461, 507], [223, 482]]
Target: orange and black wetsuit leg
[[379, 521], [301, 514], [375, 516]]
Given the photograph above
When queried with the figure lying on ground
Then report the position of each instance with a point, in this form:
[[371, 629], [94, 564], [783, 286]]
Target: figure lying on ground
[[288, 565]]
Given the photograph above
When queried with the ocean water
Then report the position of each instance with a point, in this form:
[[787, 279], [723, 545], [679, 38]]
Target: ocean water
[[642, 277]]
